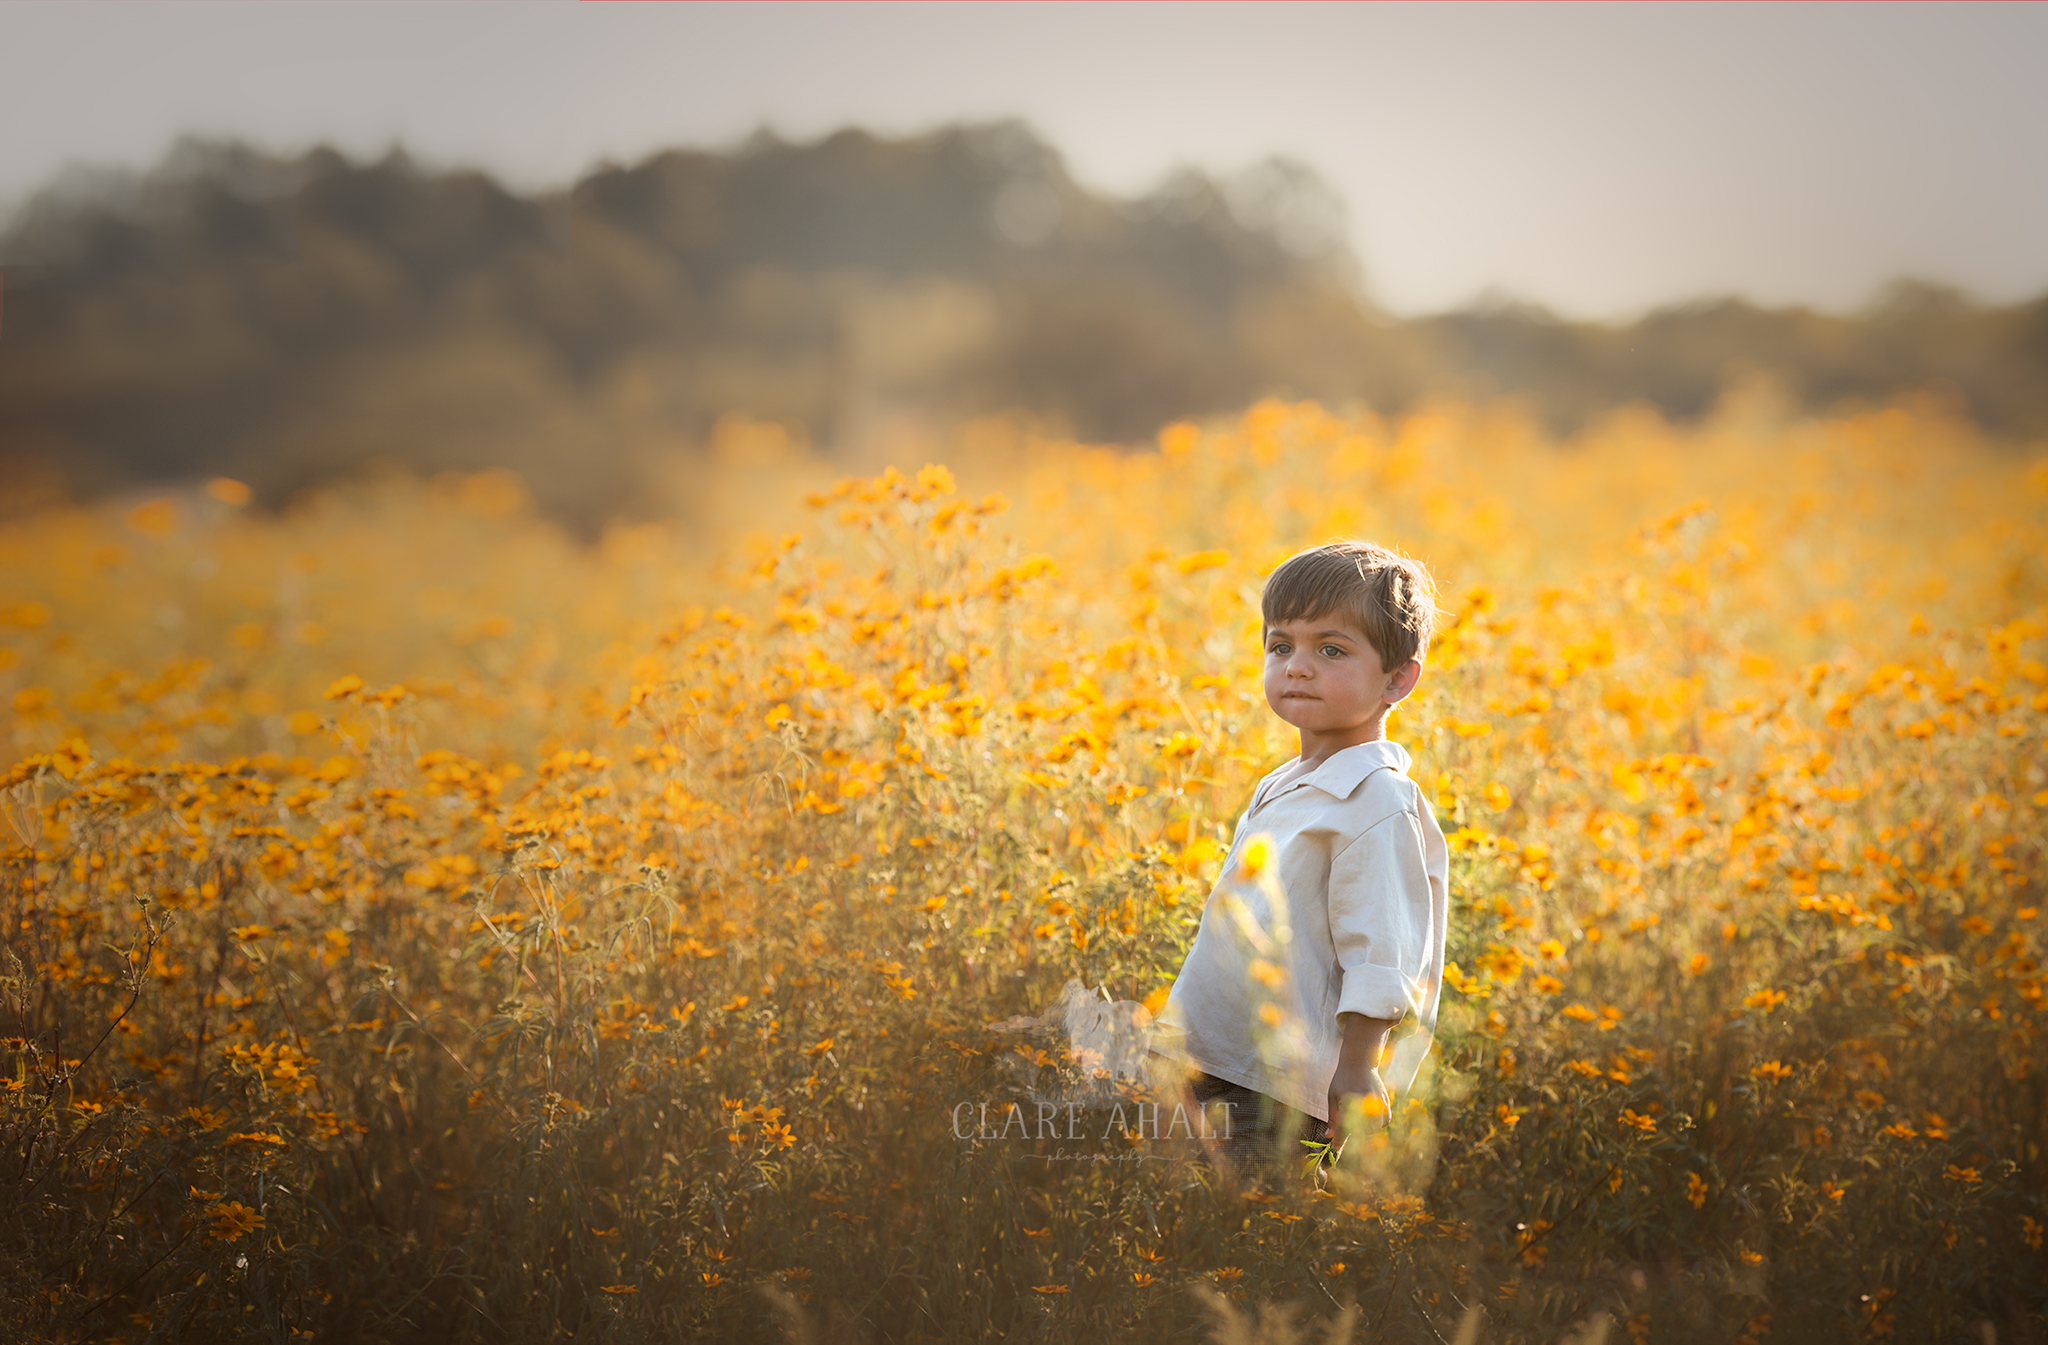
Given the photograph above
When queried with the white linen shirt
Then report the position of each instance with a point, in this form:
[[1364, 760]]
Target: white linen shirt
[[1366, 874]]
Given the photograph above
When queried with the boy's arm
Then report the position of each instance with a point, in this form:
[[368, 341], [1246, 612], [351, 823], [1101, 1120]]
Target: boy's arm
[[1380, 919], [1358, 1070]]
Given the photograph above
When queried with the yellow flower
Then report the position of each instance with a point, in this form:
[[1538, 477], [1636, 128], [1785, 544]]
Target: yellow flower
[[1631, 1118], [71, 758], [1255, 858], [1508, 1115], [1695, 1190], [232, 1220], [1504, 962], [25, 615], [1771, 1071], [1457, 979], [156, 518]]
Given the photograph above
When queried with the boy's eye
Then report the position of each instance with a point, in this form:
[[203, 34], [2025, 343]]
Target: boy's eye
[[1333, 651]]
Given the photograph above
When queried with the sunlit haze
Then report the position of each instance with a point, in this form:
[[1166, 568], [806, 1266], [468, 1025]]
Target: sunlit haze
[[1597, 159]]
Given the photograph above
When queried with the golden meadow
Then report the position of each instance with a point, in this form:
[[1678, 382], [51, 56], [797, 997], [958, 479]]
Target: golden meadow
[[418, 926]]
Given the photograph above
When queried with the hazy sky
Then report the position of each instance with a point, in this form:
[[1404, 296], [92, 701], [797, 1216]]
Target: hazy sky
[[1599, 159]]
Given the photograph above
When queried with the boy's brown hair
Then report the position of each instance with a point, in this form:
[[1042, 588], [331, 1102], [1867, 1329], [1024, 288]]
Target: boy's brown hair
[[1389, 596]]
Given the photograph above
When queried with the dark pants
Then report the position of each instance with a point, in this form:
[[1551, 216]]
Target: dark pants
[[1257, 1127]]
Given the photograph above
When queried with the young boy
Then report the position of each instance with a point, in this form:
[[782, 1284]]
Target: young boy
[[1357, 853]]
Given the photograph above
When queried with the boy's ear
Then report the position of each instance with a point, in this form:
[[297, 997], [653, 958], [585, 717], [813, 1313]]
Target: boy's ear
[[1405, 678]]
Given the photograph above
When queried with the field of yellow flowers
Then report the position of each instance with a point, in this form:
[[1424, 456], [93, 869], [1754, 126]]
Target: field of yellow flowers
[[416, 926]]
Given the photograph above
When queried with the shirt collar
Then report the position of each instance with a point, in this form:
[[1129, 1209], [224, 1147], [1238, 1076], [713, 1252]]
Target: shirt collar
[[1342, 772]]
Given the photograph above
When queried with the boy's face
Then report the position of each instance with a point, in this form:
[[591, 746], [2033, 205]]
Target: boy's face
[[1324, 677]]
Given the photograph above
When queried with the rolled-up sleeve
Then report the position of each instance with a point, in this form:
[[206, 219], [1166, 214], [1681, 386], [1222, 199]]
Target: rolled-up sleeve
[[1380, 920]]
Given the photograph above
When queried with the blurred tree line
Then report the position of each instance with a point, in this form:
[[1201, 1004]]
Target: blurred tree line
[[284, 320]]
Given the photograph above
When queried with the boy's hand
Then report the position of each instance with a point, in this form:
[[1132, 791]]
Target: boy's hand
[[1361, 1080]]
